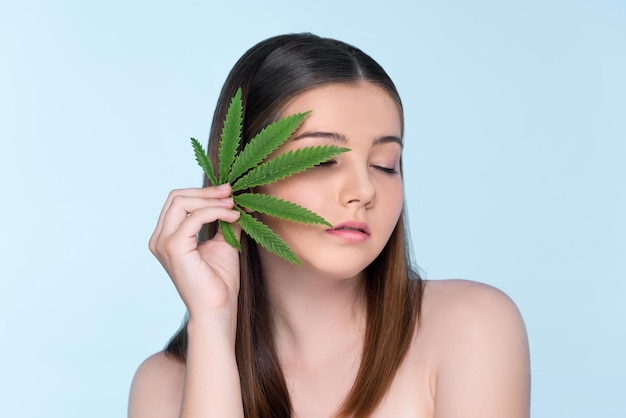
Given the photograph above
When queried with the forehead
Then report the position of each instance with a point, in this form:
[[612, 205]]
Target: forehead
[[349, 107]]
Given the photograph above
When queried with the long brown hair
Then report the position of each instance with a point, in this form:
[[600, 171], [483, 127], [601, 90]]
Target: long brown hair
[[271, 74]]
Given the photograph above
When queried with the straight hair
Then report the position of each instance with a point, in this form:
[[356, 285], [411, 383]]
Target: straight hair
[[270, 74]]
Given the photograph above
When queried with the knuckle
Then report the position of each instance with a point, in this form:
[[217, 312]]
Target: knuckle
[[172, 194], [160, 248], [175, 194], [168, 248], [176, 199]]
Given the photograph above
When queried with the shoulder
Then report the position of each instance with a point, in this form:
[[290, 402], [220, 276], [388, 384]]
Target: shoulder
[[479, 350], [466, 301], [470, 313], [156, 390]]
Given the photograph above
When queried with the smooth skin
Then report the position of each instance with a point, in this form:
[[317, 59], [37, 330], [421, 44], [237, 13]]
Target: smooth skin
[[468, 357]]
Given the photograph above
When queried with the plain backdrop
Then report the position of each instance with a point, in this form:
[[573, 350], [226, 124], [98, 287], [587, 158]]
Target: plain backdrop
[[515, 168]]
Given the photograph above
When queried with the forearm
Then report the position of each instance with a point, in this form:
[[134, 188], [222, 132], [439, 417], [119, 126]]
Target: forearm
[[212, 386]]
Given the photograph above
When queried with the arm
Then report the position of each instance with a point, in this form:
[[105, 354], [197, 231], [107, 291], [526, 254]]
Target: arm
[[206, 275], [212, 387], [484, 367]]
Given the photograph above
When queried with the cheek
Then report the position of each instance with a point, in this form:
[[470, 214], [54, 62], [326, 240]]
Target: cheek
[[303, 191], [296, 189], [393, 201]]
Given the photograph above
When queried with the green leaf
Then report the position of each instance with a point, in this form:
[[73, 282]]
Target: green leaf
[[229, 235], [267, 238], [203, 161], [247, 170], [286, 164], [264, 143], [231, 136], [279, 208]]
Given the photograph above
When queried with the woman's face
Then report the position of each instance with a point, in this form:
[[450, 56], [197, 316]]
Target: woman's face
[[359, 192]]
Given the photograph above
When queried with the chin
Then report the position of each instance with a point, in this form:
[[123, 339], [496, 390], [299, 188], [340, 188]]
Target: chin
[[336, 266], [339, 273]]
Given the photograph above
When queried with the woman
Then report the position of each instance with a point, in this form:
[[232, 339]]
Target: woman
[[353, 331]]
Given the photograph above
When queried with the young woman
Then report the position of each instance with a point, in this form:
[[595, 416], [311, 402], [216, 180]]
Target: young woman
[[353, 332]]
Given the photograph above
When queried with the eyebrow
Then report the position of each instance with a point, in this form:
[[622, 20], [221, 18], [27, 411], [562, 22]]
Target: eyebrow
[[337, 137]]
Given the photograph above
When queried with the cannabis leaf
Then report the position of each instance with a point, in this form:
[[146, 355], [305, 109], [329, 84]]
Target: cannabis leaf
[[231, 134], [248, 169], [264, 143], [285, 165], [278, 208], [203, 160]]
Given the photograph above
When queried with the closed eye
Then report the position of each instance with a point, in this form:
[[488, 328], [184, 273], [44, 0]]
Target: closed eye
[[385, 170], [326, 163]]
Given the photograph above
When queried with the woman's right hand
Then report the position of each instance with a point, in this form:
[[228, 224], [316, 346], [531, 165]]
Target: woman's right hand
[[206, 275]]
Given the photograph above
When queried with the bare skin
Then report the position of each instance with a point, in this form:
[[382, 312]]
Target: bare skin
[[469, 354], [483, 371]]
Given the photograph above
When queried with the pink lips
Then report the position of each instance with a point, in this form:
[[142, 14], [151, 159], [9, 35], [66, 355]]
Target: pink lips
[[351, 231]]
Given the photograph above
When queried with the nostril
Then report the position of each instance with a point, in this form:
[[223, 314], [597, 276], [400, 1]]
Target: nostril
[[357, 188]]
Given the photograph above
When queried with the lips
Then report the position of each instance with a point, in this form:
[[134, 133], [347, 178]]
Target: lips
[[352, 226], [353, 232]]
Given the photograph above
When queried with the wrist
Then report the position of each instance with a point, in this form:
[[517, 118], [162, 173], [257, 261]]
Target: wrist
[[217, 328]]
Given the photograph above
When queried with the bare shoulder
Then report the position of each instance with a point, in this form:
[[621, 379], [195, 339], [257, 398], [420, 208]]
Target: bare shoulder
[[156, 390], [455, 310], [478, 348], [450, 298]]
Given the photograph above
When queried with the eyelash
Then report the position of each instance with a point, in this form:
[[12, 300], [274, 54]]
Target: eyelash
[[385, 170], [327, 163]]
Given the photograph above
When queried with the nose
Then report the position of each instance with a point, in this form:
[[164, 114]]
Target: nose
[[357, 188]]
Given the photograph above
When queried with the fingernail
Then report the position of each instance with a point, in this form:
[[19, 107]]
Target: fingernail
[[223, 186], [227, 200]]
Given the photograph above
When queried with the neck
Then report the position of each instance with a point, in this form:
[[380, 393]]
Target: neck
[[313, 313]]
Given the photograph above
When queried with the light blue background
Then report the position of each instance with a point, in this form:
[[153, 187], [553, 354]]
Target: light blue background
[[515, 150]]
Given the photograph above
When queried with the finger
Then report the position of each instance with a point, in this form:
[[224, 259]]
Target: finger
[[182, 207], [189, 228], [184, 239], [193, 222], [218, 192], [179, 209]]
